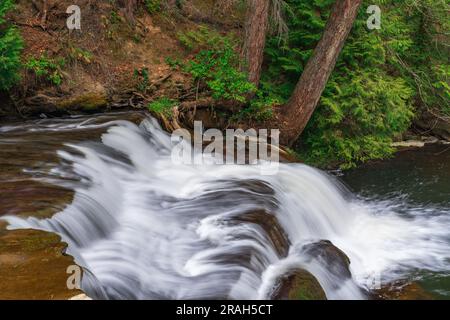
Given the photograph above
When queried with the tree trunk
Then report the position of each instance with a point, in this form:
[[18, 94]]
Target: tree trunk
[[255, 38], [299, 109]]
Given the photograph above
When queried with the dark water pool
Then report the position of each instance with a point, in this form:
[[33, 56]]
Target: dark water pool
[[417, 178]]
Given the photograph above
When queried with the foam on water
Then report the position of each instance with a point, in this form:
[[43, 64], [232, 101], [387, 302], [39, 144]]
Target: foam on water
[[146, 228]]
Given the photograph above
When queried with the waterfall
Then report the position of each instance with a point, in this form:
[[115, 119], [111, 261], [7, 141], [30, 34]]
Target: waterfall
[[143, 227]]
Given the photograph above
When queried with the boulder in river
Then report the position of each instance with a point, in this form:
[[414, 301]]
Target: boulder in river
[[271, 227], [299, 285], [333, 258]]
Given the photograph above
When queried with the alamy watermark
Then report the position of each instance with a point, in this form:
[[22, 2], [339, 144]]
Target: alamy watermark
[[374, 20], [74, 280], [74, 21], [252, 147]]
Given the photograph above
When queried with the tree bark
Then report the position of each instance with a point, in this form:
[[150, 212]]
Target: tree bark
[[299, 109], [255, 39]]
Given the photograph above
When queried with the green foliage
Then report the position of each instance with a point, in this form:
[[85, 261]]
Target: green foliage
[[218, 66], [47, 68], [441, 83], [203, 38], [381, 78], [79, 54], [162, 106], [260, 108], [174, 63], [143, 79], [219, 70], [11, 45], [152, 6], [114, 17], [416, 33], [355, 122]]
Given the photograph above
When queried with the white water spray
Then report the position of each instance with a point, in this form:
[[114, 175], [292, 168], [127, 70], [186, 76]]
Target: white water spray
[[146, 228]]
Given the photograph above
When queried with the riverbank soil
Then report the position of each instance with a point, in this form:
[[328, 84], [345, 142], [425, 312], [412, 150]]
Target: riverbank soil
[[102, 65]]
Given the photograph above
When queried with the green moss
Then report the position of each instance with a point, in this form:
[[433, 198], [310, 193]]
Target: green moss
[[299, 285], [305, 287], [86, 102], [39, 242]]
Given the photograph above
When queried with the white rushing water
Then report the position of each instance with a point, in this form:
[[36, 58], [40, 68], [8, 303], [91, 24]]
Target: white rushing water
[[145, 228]]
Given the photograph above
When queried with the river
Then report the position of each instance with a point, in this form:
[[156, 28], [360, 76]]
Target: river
[[143, 227]]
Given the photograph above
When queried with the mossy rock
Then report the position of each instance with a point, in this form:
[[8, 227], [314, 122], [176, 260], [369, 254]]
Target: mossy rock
[[327, 254], [299, 285], [88, 102]]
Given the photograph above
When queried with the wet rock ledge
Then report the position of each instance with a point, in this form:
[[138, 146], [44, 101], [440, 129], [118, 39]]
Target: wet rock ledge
[[33, 266]]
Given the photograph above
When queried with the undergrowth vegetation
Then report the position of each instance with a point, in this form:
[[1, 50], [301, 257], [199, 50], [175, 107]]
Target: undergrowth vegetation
[[382, 78], [152, 6], [11, 45], [48, 69], [216, 64]]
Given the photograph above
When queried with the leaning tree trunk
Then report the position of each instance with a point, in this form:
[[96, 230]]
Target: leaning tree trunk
[[255, 38], [299, 109]]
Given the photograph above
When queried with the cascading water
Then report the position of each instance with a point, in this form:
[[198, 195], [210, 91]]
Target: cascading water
[[143, 227]]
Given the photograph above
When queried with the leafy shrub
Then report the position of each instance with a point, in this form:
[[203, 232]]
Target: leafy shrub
[[11, 45], [143, 78], [163, 106], [47, 68], [218, 66]]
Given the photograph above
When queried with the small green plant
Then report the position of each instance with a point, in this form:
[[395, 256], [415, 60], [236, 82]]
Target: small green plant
[[153, 6], [47, 68], [11, 46], [79, 54], [114, 17], [143, 79], [162, 106], [174, 63], [202, 38]]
